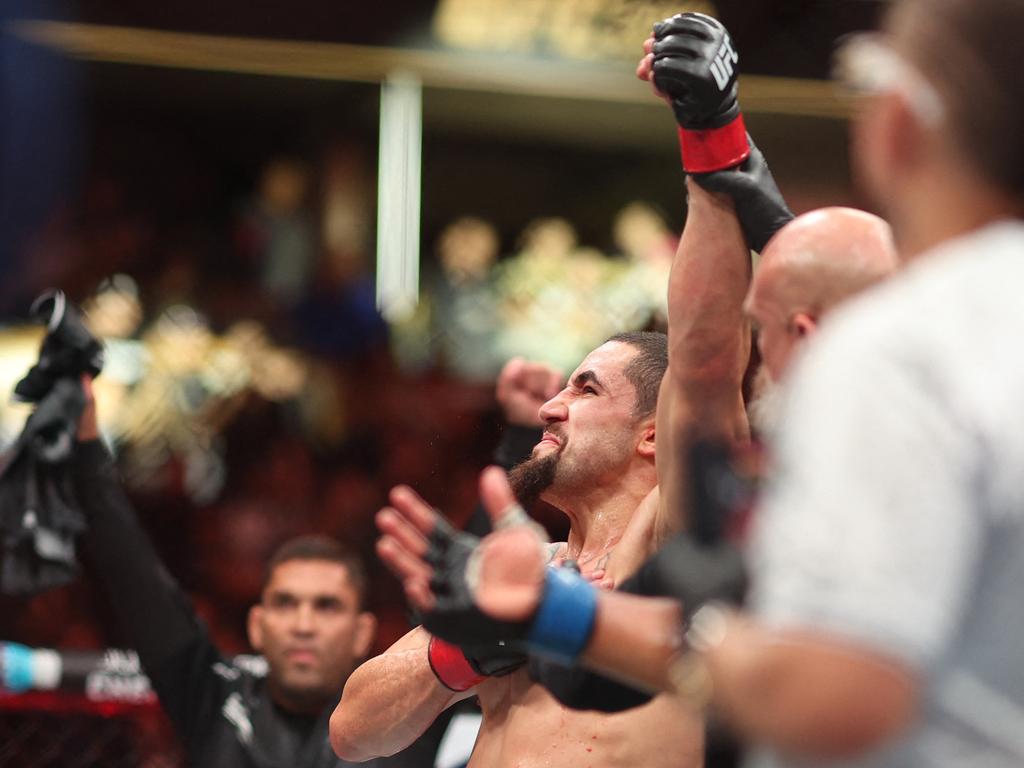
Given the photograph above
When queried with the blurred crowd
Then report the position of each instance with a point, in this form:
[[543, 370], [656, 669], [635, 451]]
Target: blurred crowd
[[257, 394], [552, 301]]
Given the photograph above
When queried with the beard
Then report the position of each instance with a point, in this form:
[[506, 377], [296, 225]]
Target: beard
[[530, 478]]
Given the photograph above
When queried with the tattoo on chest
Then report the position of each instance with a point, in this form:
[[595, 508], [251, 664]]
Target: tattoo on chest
[[596, 562], [557, 552], [601, 563]]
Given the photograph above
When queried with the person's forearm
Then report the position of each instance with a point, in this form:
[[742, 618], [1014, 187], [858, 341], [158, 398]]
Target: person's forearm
[[389, 701], [148, 603], [634, 661], [634, 639], [709, 340], [800, 692], [806, 692], [709, 345]]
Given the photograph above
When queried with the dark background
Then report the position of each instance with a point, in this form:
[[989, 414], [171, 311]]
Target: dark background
[[119, 167]]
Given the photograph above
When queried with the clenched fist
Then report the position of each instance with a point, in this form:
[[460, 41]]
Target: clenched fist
[[523, 387]]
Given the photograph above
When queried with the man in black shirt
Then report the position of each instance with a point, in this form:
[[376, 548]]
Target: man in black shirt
[[310, 625]]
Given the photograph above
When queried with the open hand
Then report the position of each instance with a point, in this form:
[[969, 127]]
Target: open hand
[[506, 572]]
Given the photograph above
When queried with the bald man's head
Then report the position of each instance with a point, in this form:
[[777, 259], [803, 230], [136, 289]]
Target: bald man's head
[[812, 264]]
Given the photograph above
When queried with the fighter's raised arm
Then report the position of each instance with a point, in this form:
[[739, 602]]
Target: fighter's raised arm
[[733, 206], [882, 629], [623, 423]]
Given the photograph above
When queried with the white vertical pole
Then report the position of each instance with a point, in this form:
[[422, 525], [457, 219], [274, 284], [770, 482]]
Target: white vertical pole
[[398, 195]]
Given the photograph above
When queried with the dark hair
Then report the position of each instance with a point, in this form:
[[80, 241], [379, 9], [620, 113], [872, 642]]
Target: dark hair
[[970, 51], [316, 547], [647, 369]]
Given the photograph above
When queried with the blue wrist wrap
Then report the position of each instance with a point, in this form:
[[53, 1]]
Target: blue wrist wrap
[[565, 617]]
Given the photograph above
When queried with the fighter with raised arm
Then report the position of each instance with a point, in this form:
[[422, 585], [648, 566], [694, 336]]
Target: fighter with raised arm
[[885, 625], [608, 437], [809, 267], [596, 462]]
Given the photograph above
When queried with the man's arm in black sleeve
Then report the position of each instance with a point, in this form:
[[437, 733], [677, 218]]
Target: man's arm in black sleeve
[[174, 648]]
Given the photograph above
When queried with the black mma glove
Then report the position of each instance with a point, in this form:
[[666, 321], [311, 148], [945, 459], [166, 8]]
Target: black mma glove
[[700, 564], [692, 573], [467, 646], [760, 206], [559, 628], [459, 669], [695, 66], [455, 616], [493, 660]]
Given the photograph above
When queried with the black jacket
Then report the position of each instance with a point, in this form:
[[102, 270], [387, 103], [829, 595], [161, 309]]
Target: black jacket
[[222, 712]]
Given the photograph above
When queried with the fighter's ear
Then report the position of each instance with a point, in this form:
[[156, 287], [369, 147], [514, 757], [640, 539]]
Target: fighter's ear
[[646, 445], [254, 626], [366, 629]]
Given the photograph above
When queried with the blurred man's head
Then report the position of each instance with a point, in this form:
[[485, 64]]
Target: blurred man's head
[[937, 142], [599, 430], [809, 266], [468, 248], [310, 623]]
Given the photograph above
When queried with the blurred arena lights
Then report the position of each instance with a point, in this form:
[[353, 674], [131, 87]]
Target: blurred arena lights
[[398, 195]]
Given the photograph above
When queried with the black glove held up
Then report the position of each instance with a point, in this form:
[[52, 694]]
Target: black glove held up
[[760, 206], [695, 65]]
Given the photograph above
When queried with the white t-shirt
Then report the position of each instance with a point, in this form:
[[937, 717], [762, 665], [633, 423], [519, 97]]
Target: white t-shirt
[[895, 516]]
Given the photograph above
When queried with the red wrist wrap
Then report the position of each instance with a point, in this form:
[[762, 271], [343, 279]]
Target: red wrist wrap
[[714, 149], [449, 664]]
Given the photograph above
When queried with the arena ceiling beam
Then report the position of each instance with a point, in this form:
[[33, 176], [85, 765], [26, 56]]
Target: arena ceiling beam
[[545, 77]]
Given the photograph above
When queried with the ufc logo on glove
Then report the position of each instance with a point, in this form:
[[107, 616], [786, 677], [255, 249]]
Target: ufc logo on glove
[[724, 63]]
